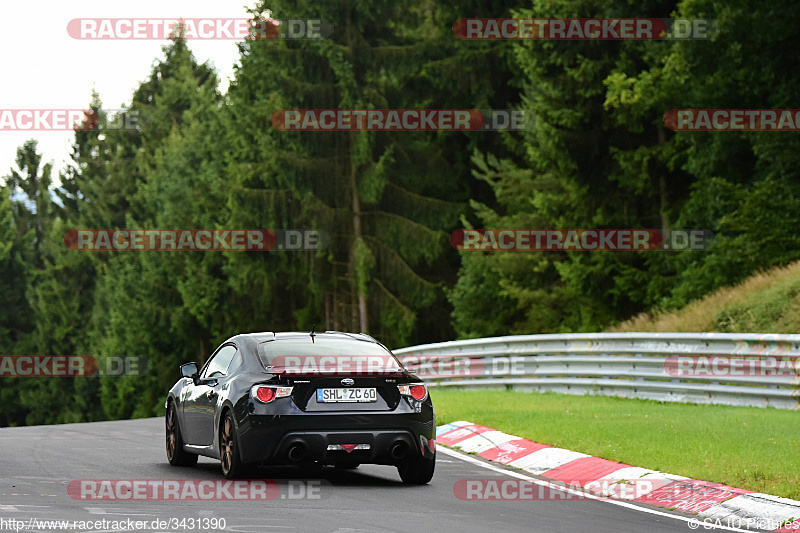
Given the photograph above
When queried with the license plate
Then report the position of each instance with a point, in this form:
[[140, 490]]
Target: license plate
[[349, 395]]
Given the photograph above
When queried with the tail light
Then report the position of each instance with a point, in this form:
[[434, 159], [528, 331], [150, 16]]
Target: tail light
[[265, 394], [417, 391]]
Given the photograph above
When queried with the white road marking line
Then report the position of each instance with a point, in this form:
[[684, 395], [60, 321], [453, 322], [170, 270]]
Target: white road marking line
[[240, 530], [104, 510], [15, 508], [587, 495], [42, 478]]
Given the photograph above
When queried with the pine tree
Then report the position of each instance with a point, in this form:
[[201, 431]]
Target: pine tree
[[143, 304], [389, 200], [15, 313]]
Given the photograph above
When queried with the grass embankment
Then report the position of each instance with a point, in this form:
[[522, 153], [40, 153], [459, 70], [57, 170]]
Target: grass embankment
[[746, 447], [768, 302]]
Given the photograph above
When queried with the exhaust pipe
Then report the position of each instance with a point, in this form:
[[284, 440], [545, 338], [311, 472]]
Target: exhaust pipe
[[399, 450], [297, 452]]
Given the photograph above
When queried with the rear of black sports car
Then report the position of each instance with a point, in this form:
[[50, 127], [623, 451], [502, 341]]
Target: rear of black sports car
[[340, 400]]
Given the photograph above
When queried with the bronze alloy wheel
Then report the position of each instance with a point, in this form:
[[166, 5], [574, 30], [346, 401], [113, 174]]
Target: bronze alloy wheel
[[232, 465], [175, 453], [226, 442], [172, 436]]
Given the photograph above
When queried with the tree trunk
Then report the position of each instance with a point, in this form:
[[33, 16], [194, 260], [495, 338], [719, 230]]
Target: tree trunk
[[662, 188], [362, 300]]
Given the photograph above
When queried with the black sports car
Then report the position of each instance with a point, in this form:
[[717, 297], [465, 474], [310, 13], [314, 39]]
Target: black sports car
[[331, 398]]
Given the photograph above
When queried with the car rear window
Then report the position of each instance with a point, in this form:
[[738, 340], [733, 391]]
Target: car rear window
[[268, 351]]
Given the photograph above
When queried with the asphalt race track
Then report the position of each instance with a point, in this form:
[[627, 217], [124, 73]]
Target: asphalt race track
[[39, 462]]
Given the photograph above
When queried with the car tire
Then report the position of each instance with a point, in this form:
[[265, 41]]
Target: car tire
[[175, 452], [417, 470], [230, 460]]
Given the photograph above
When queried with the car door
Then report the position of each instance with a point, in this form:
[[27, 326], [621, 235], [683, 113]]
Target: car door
[[200, 401]]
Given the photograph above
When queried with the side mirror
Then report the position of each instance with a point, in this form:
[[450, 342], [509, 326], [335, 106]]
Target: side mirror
[[189, 370]]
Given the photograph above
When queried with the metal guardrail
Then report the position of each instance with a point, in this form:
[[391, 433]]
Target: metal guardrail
[[754, 369]]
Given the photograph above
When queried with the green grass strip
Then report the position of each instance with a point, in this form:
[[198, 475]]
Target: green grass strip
[[746, 447]]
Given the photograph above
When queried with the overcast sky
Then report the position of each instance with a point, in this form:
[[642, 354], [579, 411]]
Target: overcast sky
[[44, 68]]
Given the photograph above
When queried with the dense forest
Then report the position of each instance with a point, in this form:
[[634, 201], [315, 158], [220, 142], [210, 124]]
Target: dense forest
[[597, 155]]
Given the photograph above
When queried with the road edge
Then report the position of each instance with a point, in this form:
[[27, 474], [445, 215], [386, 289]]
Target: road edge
[[711, 503]]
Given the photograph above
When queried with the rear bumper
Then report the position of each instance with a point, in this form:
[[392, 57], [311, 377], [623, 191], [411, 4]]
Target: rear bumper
[[292, 439], [375, 446]]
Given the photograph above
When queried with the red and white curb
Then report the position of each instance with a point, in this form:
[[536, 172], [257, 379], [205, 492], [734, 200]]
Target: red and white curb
[[710, 502]]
